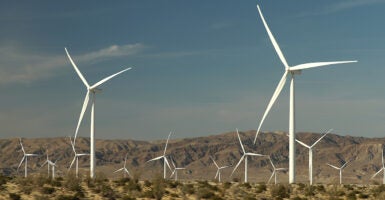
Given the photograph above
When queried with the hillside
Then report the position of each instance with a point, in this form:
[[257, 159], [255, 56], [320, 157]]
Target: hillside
[[194, 154]]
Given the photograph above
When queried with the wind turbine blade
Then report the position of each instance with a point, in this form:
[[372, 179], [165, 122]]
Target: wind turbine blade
[[272, 164], [157, 158], [119, 170], [85, 103], [318, 64], [236, 166], [303, 144], [272, 174], [343, 166], [72, 145], [214, 162], [216, 175], [281, 169], [172, 162], [108, 78], [253, 154], [272, 101], [165, 160], [22, 147], [76, 69], [224, 167], [333, 166], [377, 172], [382, 158], [173, 172], [321, 137], [44, 164], [72, 163], [20, 163], [126, 170], [273, 41], [243, 149], [165, 147]]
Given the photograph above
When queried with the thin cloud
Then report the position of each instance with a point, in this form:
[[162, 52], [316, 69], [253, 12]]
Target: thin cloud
[[18, 66], [341, 6]]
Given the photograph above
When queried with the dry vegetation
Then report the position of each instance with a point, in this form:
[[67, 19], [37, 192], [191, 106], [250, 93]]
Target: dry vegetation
[[70, 187]]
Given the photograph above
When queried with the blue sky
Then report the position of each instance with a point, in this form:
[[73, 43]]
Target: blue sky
[[199, 67]]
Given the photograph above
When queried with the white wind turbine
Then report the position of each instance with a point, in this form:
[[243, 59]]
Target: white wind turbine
[[311, 154], [382, 168], [219, 169], [274, 173], [340, 169], [76, 157], [91, 89], [165, 162], [244, 157], [124, 169], [25, 158], [175, 171], [49, 164], [292, 71]]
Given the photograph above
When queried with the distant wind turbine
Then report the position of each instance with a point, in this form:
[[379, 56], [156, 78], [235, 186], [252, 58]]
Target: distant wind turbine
[[76, 157], [340, 169], [25, 159], [382, 168], [175, 171], [219, 169], [124, 168], [274, 173], [292, 71], [49, 164], [311, 154], [244, 157], [165, 162], [91, 89]]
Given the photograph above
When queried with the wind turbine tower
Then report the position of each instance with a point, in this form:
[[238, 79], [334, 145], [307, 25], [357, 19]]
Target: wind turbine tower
[[292, 71], [91, 89], [274, 173], [311, 154]]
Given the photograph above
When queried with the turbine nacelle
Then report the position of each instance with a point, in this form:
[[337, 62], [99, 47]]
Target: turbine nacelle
[[295, 72]]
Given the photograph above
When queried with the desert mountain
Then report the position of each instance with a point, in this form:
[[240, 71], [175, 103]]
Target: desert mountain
[[194, 154]]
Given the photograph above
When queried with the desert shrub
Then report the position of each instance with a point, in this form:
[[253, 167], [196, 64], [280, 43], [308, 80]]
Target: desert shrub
[[158, 187], [226, 185], [321, 188], [301, 186], [205, 184], [132, 185], [57, 182], [172, 184], [349, 187], [40, 197], [67, 197], [280, 191], [14, 196], [378, 190], [40, 180], [122, 181], [363, 196], [236, 179], [246, 185], [3, 181], [147, 194], [188, 189], [147, 183], [351, 196], [205, 193], [126, 197], [47, 190], [310, 190], [261, 188]]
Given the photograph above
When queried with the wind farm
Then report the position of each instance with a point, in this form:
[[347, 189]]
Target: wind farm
[[200, 69]]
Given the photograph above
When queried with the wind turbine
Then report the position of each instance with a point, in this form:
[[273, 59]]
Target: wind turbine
[[311, 154], [382, 168], [339, 168], [219, 169], [175, 171], [76, 157], [51, 164], [25, 158], [274, 173], [164, 158], [292, 71], [244, 157], [124, 169], [91, 89]]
